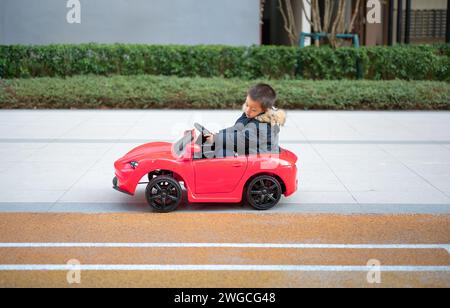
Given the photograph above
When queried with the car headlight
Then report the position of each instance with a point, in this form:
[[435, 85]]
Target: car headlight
[[134, 164]]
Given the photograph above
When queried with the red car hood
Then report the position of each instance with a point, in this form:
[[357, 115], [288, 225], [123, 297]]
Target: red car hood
[[150, 150]]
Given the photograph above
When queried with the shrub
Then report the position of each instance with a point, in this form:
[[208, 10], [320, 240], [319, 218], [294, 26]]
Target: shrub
[[269, 62]]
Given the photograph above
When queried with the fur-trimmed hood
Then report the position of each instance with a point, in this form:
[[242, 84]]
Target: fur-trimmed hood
[[273, 116]]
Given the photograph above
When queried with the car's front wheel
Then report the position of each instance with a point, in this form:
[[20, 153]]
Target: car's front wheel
[[164, 194], [263, 192]]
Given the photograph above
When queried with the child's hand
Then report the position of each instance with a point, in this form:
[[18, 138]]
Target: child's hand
[[209, 138]]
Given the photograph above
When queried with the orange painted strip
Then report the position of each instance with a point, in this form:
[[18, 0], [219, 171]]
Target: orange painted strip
[[226, 228], [222, 279], [223, 256]]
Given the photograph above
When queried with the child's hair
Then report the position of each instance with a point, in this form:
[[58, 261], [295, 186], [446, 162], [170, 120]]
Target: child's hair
[[264, 94]]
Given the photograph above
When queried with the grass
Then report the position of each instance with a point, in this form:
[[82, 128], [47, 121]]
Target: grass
[[157, 92]]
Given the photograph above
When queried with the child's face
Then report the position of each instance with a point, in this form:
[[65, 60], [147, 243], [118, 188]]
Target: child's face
[[252, 108]]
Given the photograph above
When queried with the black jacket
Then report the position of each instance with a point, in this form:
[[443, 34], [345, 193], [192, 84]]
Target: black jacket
[[251, 136]]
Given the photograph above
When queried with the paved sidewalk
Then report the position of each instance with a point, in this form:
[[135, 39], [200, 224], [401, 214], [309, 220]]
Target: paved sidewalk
[[349, 162]]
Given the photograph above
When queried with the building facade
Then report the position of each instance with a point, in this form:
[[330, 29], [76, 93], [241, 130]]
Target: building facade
[[190, 22], [417, 21], [402, 21], [193, 22]]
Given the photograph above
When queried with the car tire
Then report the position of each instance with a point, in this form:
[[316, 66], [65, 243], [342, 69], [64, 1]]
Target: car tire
[[263, 192], [164, 194]]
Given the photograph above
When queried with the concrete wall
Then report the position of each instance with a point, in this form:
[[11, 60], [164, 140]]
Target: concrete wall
[[230, 22], [2, 20], [425, 4], [429, 4]]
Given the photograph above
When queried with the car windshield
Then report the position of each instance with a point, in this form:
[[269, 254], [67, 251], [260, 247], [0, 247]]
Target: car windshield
[[179, 147]]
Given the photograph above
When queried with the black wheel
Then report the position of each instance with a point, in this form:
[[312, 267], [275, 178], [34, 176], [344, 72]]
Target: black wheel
[[163, 194], [264, 192]]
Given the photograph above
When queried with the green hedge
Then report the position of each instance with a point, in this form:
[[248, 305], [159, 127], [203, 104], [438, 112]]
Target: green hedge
[[146, 91], [270, 62]]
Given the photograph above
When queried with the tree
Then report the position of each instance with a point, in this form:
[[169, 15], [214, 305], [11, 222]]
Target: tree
[[333, 22], [290, 22]]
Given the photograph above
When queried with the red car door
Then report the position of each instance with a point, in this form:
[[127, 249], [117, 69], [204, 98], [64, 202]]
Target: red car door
[[218, 175]]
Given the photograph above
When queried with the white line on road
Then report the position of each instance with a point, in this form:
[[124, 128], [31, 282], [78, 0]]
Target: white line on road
[[226, 245], [213, 267]]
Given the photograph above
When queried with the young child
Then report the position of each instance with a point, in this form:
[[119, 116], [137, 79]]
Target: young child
[[257, 130]]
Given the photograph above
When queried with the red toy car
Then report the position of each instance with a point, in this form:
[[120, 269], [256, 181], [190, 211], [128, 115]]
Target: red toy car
[[259, 179]]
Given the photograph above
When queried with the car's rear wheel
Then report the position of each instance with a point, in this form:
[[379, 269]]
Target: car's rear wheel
[[164, 194], [263, 192]]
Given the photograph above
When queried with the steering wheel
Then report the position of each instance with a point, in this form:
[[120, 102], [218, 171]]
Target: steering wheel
[[202, 129], [207, 149]]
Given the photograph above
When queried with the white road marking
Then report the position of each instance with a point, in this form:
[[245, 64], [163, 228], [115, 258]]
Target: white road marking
[[168, 267], [226, 245], [212, 267]]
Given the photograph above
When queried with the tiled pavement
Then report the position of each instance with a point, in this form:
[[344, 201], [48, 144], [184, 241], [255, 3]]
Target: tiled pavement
[[349, 162]]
